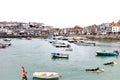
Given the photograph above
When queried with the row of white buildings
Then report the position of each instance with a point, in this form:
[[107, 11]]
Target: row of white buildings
[[33, 28], [16, 28], [103, 29]]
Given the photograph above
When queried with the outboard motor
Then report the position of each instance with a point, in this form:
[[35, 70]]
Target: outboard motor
[[68, 45], [53, 54], [116, 52]]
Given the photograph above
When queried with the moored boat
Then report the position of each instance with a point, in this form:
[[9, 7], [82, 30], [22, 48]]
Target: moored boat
[[3, 46], [46, 75], [85, 43], [60, 45], [5, 43], [60, 55], [72, 40], [28, 38], [110, 63], [69, 49], [95, 70], [52, 41], [107, 53], [7, 39]]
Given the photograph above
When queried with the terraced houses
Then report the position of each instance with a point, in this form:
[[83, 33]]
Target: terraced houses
[[39, 29]]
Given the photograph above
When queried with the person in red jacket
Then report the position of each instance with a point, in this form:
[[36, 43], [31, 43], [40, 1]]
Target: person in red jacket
[[24, 74]]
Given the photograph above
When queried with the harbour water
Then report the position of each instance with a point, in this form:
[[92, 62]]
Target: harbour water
[[35, 55]]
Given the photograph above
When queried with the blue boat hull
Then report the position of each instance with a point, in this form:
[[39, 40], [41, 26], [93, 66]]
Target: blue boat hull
[[106, 53]]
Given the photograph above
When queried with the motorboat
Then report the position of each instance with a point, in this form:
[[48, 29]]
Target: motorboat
[[7, 39], [59, 55], [5, 43], [95, 70], [107, 53], [110, 63], [85, 43], [69, 49], [60, 45], [2, 46], [52, 41]]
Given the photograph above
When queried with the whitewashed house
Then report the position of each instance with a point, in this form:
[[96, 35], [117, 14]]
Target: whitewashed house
[[116, 28]]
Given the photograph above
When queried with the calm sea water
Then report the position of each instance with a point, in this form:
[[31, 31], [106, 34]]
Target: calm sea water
[[35, 55]]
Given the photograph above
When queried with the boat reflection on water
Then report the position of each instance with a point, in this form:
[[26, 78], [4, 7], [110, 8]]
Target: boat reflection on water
[[53, 58], [34, 78], [104, 57]]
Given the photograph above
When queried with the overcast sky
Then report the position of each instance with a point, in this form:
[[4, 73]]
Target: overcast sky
[[60, 13]]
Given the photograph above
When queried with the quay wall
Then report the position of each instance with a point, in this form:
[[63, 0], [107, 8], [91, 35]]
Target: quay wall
[[93, 37], [19, 36], [99, 37]]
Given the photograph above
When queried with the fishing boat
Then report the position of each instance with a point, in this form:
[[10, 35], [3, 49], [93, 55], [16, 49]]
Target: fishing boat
[[72, 40], [60, 55], [69, 49], [85, 43], [7, 39], [60, 45], [46, 75], [107, 53], [95, 70], [52, 41], [110, 63], [28, 38], [2, 46], [5, 43]]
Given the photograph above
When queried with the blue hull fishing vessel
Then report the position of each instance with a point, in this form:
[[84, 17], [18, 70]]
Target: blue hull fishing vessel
[[107, 53]]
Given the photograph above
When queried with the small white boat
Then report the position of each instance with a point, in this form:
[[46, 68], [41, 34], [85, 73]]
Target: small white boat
[[85, 43], [5, 43], [52, 41], [72, 40], [60, 45], [60, 55], [2, 46], [46, 75], [69, 49], [7, 39]]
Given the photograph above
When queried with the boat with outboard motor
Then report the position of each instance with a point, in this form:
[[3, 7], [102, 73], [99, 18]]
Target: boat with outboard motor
[[7, 39], [69, 49], [59, 55], [85, 43], [61, 45], [110, 63], [107, 53], [95, 70]]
